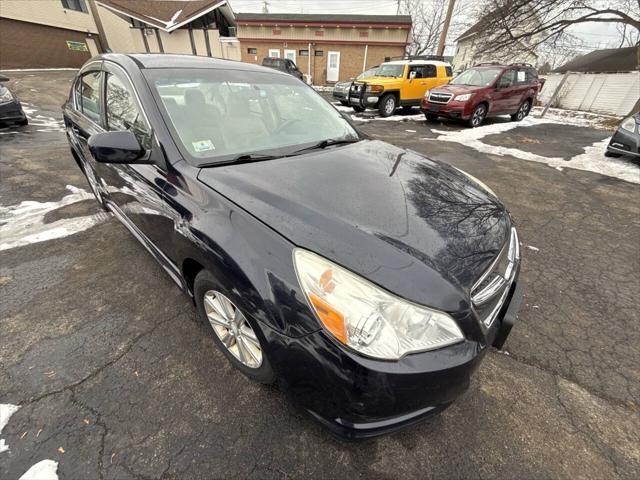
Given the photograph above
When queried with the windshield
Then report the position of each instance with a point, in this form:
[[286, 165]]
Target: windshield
[[368, 73], [477, 77], [218, 114], [390, 71]]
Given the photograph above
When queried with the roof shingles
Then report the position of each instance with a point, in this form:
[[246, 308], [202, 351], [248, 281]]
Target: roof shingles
[[164, 14]]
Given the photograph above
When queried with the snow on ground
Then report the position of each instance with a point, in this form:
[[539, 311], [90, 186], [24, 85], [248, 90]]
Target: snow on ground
[[43, 470], [23, 224], [43, 123], [592, 159], [6, 410], [575, 117]]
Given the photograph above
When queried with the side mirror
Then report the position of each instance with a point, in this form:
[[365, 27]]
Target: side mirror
[[412, 75], [116, 147]]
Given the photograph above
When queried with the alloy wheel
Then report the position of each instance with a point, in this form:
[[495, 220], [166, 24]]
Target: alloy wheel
[[478, 115], [232, 328], [522, 111], [390, 106]]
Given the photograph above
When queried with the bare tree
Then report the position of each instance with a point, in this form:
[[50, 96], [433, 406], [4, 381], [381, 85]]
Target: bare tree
[[428, 19], [529, 24]]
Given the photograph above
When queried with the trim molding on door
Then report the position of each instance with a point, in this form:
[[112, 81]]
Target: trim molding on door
[[166, 263]]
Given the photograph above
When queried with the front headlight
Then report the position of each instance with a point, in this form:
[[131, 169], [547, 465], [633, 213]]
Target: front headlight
[[475, 180], [463, 98], [375, 88], [5, 94], [629, 124], [365, 317]]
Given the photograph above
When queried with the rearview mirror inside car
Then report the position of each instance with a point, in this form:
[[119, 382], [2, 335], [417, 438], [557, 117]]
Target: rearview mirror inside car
[[116, 147]]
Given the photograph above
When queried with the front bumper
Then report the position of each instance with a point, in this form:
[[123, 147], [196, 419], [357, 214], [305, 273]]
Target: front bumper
[[340, 95], [624, 142], [11, 112], [358, 397], [453, 110]]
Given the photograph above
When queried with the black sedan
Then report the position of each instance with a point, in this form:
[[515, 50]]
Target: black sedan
[[626, 139], [11, 112], [366, 279]]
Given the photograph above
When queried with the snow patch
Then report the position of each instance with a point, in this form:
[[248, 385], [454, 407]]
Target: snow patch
[[43, 470], [6, 410], [171, 22], [575, 117], [592, 160], [23, 224], [43, 123], [531, 247]]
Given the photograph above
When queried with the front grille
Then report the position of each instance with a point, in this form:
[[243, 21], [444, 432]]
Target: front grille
[[491, 290], [438, 97]]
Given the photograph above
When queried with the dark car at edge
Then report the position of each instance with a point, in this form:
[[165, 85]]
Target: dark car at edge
[[365, 279], [626, 139], [11, 112]]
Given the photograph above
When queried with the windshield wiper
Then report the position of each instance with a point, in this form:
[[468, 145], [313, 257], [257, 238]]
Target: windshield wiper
[[326, 143], [252, 157]]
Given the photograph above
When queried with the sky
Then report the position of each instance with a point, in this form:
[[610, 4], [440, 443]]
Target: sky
[[593, 36]]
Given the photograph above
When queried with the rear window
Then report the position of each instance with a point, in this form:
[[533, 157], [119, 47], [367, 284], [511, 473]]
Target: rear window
[[271, 62]]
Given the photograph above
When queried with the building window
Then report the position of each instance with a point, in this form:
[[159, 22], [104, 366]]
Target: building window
[[252, 51], [303, 53], [77, 5], [319, 53]]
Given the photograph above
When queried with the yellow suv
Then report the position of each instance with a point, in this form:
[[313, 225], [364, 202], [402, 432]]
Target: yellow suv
[[399, 83]]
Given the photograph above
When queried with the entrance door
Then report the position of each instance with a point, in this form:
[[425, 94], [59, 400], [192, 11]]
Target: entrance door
[[291, 55], [274, 52], [333, 66]]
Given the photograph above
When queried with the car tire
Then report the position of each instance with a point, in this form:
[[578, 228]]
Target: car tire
[[431, 117], [610, 154], [387, 105], [206, 285], [522, 112], [478, 116], [23, 123], [344, 103]]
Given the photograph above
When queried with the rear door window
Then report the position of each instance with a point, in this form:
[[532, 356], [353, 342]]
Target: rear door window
[[90, 99]]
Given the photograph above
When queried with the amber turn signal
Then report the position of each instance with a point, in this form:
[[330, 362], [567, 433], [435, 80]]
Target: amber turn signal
[[330, 317]]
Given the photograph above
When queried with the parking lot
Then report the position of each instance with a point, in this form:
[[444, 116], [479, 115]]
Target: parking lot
[[115, 379]]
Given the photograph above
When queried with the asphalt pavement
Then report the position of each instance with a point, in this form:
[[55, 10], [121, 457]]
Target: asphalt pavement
[[115, 379]]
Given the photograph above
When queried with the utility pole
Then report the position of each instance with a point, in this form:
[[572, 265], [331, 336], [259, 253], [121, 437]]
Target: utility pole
[[445, 28]]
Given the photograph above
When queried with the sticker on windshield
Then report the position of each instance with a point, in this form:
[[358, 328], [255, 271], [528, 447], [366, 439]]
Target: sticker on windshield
[[203, 146]]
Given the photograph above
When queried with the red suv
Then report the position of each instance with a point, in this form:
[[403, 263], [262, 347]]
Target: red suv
[[486, 90]]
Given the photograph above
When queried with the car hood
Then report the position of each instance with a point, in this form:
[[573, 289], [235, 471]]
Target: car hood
[[417, 227], [457, 89], [380, 80]]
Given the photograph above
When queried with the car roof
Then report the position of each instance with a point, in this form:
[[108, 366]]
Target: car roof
[[171, 60], [417, 62]]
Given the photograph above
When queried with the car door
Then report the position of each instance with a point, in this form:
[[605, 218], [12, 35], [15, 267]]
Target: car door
[[136, 190], [83, 118], [504, 92], [412, 83]]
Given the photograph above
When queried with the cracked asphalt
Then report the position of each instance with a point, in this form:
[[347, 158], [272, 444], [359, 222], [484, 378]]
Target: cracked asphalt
[[116, 380]]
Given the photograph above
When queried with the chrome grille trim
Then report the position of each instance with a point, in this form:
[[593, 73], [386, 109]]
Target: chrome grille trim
[[501, 283], [437, 97]]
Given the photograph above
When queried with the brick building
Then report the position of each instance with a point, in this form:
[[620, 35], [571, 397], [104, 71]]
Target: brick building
[[35, 34], [66, 33], [329, 48]]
